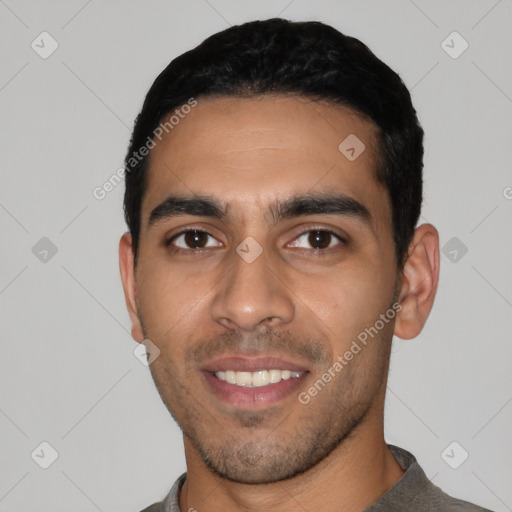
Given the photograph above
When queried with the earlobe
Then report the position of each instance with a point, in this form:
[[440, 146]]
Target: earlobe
[[419, 280], [127, 270]]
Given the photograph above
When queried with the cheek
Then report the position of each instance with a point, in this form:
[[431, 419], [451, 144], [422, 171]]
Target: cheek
[[349, 301], [170, 299]]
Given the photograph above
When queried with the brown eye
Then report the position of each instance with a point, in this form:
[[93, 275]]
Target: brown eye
[[195, 239], [191, 239], [318, 239]]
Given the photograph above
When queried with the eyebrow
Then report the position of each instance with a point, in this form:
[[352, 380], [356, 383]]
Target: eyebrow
[[295, 206]]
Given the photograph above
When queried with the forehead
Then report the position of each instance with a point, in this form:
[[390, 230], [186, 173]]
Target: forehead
[[250, 151]]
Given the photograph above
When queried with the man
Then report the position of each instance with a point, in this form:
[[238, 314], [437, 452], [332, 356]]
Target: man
[[273, 186]]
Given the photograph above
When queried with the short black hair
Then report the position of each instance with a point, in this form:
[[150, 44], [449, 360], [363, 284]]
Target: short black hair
[[310, 59]]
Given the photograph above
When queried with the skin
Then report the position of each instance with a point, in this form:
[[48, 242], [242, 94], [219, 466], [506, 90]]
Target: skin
[[289, 302]]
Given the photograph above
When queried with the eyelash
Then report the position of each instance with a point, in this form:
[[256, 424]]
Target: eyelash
[[317, 252]]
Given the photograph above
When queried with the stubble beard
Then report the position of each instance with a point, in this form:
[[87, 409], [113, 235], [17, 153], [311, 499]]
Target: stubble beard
[[245, 450]]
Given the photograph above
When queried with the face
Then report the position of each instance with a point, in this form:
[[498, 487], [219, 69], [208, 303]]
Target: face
[[265, 254]]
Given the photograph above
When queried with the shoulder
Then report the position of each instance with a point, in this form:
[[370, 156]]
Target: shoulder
[[156, 507], [171, 502], [439, 500], [414, 491]]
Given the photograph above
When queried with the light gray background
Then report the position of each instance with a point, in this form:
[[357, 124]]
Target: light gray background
[[68, 375]]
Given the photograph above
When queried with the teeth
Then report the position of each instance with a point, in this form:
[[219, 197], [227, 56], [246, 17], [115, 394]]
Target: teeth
[[260, 378], [256, 379], [275, 376]]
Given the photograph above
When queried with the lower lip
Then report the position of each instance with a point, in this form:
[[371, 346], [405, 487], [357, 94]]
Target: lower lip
[[255, 397]]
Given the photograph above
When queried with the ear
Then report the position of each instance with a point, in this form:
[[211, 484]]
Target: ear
[[418, 282], [127, 269]]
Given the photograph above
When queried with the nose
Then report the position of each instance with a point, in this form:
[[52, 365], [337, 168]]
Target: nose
[[252, 294]]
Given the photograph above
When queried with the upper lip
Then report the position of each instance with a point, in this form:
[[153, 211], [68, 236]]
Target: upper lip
[[251, 364]]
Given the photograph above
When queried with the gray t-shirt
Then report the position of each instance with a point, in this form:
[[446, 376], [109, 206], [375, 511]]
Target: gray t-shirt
[[413, 492]]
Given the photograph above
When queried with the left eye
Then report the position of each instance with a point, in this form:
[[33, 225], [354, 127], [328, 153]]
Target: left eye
[[317, 238]]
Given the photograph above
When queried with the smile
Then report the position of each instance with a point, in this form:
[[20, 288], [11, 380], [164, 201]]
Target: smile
[[256, 379]]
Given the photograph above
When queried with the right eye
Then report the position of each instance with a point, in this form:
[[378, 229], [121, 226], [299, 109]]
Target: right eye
[[191, 240]]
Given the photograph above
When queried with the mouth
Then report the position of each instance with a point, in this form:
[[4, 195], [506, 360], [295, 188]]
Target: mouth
[[253, 382], [256, 379]]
